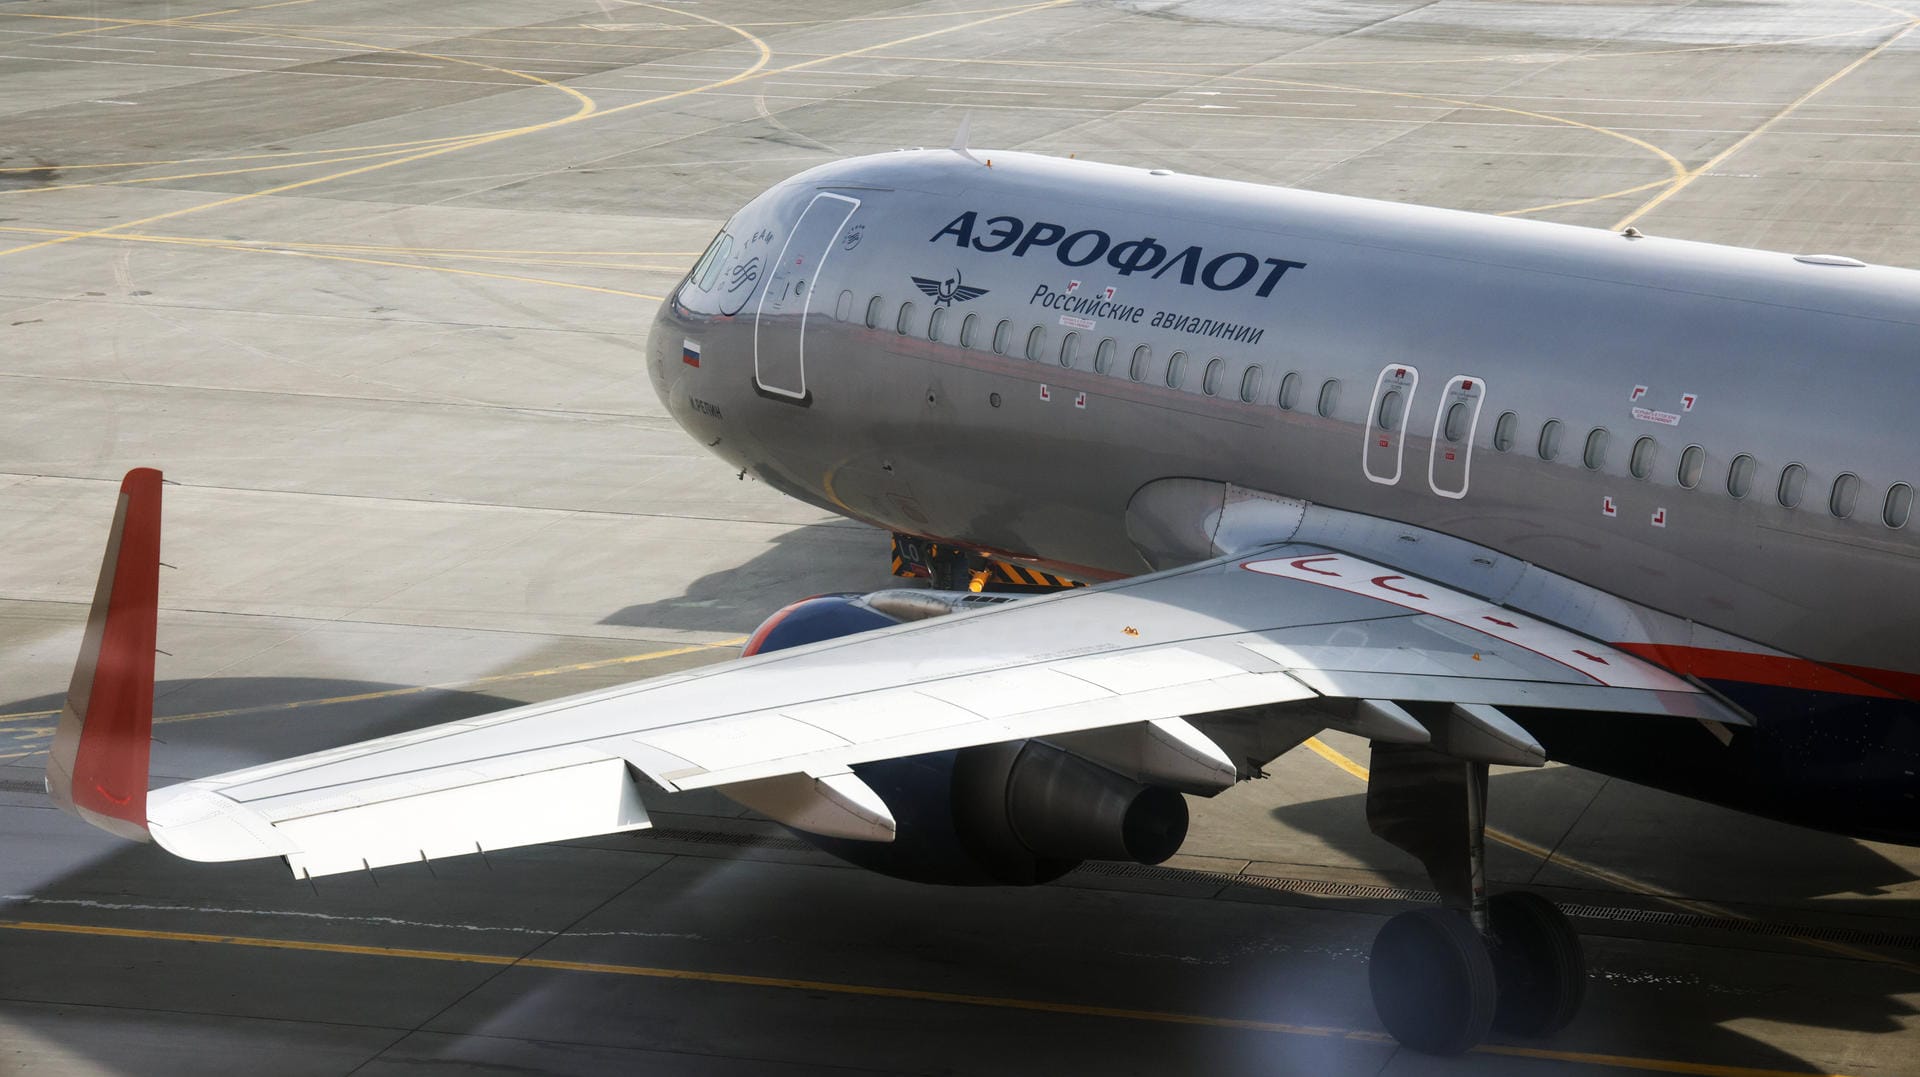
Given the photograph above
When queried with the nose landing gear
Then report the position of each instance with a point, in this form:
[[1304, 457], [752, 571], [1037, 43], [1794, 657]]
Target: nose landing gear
[[1442, 978]]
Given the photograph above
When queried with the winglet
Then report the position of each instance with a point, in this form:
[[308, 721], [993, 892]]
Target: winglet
[[98, 766], [960, 138]]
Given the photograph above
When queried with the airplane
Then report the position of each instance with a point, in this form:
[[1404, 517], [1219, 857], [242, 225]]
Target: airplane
[[1483, 491]]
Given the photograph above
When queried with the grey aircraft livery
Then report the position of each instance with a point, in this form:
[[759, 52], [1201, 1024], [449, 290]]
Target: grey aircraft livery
[[1480, 490]]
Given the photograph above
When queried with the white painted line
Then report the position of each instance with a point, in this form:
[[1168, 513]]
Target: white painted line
[[90, 48], [126, 63], [378, 63]]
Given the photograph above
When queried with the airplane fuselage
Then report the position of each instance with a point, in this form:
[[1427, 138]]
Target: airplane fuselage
[[1004, 355]]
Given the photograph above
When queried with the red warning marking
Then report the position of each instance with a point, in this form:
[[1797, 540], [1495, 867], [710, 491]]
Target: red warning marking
[[1046, 393], [1381, 582], [1400, 373], [1659, 517], [1638, 392], [1570, 650], [1449, 454], [1606, 507], [1687, 401], [1466, 385], [1383, 443], [1080, 401], [1073, 286]]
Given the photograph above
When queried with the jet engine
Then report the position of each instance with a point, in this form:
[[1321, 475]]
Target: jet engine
[[1017, 813]]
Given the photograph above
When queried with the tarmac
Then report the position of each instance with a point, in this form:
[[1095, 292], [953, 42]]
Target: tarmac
[[371, 283]]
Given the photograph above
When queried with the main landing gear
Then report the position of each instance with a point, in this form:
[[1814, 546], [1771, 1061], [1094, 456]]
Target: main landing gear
[[1443, 977]]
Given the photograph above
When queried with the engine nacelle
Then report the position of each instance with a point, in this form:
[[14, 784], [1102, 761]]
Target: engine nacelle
[[1017, 813]]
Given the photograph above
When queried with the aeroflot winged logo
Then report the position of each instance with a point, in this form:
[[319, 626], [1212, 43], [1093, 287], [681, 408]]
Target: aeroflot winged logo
[[1219, 272], [946, 293]]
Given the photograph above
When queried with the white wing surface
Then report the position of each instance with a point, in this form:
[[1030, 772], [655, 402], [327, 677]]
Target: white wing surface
[[1294, 625]]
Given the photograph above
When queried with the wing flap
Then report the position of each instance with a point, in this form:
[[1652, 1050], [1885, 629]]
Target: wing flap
[[569, 801]]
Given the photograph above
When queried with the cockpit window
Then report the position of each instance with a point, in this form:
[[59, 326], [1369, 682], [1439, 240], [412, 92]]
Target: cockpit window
[[707, 270]]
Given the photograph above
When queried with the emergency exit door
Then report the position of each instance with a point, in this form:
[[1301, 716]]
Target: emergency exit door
[[786, 303], [1453, 428]]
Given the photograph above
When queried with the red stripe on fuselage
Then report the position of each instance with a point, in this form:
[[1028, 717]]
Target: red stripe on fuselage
[[1778, 671]]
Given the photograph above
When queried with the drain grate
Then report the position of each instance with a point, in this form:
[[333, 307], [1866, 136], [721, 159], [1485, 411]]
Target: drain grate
[[1604, 913], [1374, 892]]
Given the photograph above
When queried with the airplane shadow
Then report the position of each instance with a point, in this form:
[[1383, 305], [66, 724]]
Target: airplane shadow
[[1687, 1000], [804, 561], [1643, 983]]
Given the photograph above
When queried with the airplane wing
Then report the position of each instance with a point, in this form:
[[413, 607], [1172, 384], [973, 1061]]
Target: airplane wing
[[1292, 626]]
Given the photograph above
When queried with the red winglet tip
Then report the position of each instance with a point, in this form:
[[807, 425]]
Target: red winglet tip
[[99, 762]]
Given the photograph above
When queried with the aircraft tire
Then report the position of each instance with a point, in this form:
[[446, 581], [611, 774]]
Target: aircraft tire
[[1433, 981], [1539, 963]]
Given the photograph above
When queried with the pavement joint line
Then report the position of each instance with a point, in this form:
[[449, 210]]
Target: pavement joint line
[[1682, 182], [588, 110], [1674, 164], [1614, 878], [909, 994], [446, 686]]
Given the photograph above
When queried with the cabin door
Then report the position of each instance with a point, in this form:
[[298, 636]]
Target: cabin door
[[787, 302]]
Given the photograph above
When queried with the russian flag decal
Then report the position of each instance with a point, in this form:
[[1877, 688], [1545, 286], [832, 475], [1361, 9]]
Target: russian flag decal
[[690, 352]]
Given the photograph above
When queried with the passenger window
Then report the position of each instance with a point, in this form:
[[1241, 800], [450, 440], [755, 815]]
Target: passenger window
[[1793, 484], [1390, 408], [1899, 506], [1210, 381], [1068, 346], [1103, 356], [1846, 491], [1740, 476], [1692, 463], [844, 308], [1329, 397], [1036, 342], [875, 308], [1289, 391], [1001, 333], [936, 323], [1550, 439], [906, 319], [1250, 384], [1503, 431], [1457, 416], [1176, 369], [1141, 357], [967, 327], [1596, 454], [1641, 462]]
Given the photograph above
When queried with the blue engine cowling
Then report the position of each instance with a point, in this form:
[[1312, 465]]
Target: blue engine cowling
[[1018, 813]]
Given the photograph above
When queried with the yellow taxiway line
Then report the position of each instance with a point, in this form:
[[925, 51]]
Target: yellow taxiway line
[[910, 994], [1613, 878]]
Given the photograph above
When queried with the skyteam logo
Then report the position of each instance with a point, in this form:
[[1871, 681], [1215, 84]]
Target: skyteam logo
[[946, 293]]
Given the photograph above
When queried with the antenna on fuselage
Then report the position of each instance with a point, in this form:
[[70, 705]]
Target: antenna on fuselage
[[960, 138]]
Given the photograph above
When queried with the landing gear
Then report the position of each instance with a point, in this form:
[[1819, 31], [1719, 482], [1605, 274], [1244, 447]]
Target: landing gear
[[1433, 981], [1537, 960], [1442, 978]]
